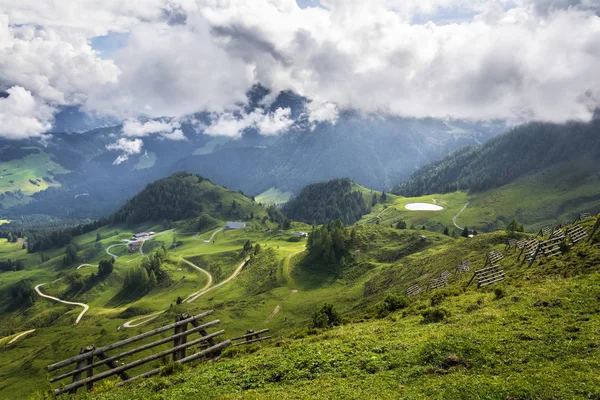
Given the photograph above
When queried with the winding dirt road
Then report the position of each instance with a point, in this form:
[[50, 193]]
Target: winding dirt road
[[454, 218], [194, 296], [85, 306], [111, 246], [85, 265], [147, 318], [20, 335]]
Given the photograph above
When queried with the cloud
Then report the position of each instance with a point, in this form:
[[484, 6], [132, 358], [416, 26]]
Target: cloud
[[505, 62], [166, 129], [127, 147], [322, 112], [516, 60], [22, 116], [267, 123], [173, 71], [275, 122], [45, 70]]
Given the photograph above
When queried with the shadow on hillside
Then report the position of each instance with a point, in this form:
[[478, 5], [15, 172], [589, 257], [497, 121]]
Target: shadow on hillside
[[124, 297], [310, 275]]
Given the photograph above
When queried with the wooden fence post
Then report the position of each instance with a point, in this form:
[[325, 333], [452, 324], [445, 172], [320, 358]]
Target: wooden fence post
[[80, 364], [90, 372], [178, 355]]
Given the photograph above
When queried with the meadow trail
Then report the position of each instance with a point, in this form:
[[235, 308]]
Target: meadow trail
[[194, 296], [85, 306], [147, 318], [111, 246], [85, 265], [454, 218], [208, 275], [21, 335], [288, 277]]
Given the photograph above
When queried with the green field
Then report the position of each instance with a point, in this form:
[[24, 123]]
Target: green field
[[30, 174], [273, 196]]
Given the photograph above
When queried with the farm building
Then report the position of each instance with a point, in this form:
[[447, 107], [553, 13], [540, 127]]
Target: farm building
[[235, 225], [134, 246], [300, 234]]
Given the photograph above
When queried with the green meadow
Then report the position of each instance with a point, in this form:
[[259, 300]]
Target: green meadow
[[27, 174]]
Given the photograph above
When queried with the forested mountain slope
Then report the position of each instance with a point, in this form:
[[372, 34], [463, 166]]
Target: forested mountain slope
[[522, 150], [323, 202], [183, 196]]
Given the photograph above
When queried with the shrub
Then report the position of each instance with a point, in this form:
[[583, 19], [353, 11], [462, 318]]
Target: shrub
[[327, 316], [433, 315], [436, 299], [499, 292]]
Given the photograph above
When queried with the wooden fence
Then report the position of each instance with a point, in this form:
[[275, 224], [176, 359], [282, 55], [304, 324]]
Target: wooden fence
[[488, 276], [493, 257], [594, 229], [464, 266], [206, 347]]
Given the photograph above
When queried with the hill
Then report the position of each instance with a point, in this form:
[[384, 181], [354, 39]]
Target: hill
[[320, 203], [185, 196], [507, 157], [459, 341]]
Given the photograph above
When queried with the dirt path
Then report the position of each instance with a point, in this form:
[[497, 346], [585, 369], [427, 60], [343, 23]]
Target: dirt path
[[454, 218], [111, 246], [211, 236], [85, 306], [21, 334], [143, 319], [286, 268], [208, 275], [85, 265], [275, 311], [194, 296], [147, 318]]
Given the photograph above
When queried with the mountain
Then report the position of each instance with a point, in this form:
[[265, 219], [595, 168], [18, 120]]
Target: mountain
[[323, 202], [505, 158], [85, 181]]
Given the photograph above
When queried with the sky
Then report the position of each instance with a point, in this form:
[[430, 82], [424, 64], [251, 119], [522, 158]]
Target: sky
[[517, 60]]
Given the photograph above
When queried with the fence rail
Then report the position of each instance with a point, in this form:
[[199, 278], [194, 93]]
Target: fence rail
[[208, 347]]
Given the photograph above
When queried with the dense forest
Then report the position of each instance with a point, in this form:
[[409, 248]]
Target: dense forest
[[323, 202], [504, 158], [48, 237]]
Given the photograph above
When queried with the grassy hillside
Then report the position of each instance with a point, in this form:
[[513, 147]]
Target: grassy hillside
[[546, 197], [20, 177], [517, 339], [283, 285]]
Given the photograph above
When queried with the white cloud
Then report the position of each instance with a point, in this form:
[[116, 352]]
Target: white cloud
[[127, 147], [518, 60], [322, 112], [267, 123], [22, 116], [166, 129], [275, 122], [177, 134]]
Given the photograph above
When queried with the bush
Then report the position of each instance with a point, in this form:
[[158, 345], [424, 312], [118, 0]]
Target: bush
[[436, 299], [433, 315], [390, 303], [499, 292], [326, 317]]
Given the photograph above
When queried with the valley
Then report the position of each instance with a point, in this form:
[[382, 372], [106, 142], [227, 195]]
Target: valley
[[258, 276]]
